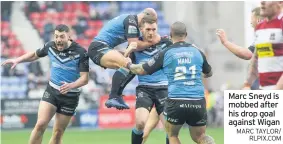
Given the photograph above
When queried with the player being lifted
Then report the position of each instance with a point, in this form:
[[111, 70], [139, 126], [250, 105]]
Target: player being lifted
[[117, 31], [152, 89], [69, 72], [184, 65]]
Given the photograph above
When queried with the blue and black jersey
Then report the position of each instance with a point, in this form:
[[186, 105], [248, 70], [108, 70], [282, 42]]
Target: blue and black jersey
[[183, 64], [158, 77], [65, 65], [118, 30]]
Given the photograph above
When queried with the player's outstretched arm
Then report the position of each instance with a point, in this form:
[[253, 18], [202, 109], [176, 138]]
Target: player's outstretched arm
[[252, 72], [239, 51], [28, 57]]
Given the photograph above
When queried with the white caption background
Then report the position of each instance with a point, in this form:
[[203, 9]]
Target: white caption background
[[235, 131]]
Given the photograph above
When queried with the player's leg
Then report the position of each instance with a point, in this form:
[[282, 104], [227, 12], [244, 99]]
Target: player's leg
[[173, 132], [197, 120], [161, 94], [198, 135], [119, 82], [174, 116], [66, 109], [102, 55], [151, 123], [46, 111], [143, 107], [61, 122]]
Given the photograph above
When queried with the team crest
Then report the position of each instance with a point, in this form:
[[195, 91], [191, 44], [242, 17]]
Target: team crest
[[272, 36]]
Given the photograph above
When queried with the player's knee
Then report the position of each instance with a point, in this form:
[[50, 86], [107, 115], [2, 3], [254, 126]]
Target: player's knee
[[58, 133], [140, 125], [206, 139], [41, 126]]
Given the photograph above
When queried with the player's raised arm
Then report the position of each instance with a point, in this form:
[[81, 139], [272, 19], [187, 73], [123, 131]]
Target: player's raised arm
[[28, 57], [239, 51]]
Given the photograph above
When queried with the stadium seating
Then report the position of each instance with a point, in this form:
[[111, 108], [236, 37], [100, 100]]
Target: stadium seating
[[16, 87]]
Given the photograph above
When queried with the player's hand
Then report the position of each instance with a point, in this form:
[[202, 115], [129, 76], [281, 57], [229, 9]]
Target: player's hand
[[156, 40], [222, 35], [66, 87], [132, 47], [246, 88], [13, 62]]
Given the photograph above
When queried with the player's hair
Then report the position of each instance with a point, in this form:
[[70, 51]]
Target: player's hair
[[256, 11], [148, 19], [62, 28], [178, 29]]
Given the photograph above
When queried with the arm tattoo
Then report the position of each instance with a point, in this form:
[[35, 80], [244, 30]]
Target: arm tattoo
[[253, 70], [137, 69]]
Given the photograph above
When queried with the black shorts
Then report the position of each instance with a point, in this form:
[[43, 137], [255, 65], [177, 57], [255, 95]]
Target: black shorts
[[66, 104], [147, 96], [96, 51], [193, 112]]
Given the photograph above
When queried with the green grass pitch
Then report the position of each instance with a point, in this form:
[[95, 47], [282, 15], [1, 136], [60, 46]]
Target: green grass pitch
[[78, 136]]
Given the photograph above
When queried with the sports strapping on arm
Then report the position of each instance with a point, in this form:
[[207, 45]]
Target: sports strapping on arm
[[132, 32]]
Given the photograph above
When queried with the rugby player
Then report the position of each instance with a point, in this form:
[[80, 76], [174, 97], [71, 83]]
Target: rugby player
[[239, 51], [69, 72], [184, 65], [152, 89], [266, 62], [117, 31]]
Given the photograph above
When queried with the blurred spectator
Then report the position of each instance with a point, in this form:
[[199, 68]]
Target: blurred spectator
[[48, 29], [54, 6], [73, 34], [113, 9], [80, 26], [94, 15], [35, 68], [33, 6], [6, 7], [17, 51]]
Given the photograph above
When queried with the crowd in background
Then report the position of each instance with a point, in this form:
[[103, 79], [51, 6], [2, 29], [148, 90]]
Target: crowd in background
[[100, 82]]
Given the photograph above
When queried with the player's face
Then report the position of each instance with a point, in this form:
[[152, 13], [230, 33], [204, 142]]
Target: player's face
[[269, 8], [149, 31], [61, 40], [254, 20]]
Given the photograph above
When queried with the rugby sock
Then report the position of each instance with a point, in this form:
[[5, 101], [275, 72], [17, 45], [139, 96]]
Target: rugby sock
[[137, 136], [129, 78], [167, 139], [119, 76]]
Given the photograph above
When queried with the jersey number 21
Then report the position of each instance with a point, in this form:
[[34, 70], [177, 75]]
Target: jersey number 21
[[181, 71]]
